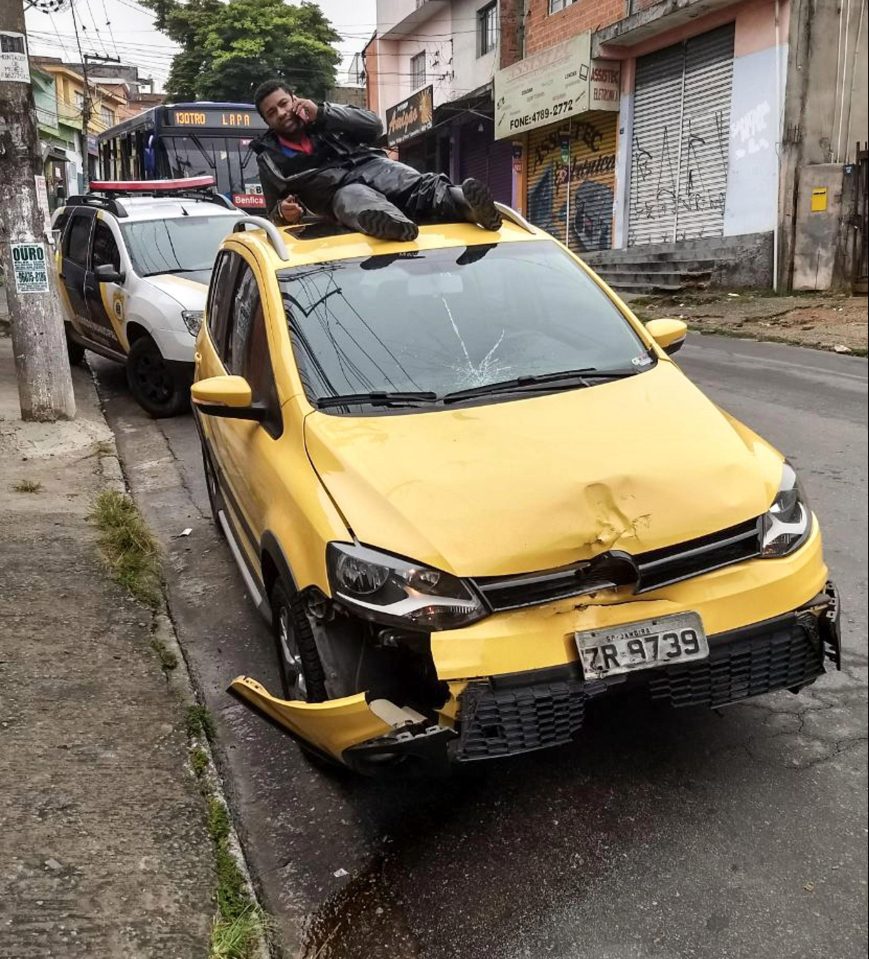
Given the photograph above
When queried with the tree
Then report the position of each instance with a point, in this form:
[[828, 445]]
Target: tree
[[229, 48]]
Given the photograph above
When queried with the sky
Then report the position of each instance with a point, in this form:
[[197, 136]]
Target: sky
[[125, 29]]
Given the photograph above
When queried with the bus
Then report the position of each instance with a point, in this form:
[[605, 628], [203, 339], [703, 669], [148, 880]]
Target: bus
[[178, 140]]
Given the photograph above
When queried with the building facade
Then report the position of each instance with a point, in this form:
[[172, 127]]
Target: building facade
[[720, 133], [429, 73]]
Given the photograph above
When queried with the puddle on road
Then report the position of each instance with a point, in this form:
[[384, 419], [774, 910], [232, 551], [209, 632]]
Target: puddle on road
[[362, 919]]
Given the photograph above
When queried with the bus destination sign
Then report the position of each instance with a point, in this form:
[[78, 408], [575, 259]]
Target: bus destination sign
[[215, 119]]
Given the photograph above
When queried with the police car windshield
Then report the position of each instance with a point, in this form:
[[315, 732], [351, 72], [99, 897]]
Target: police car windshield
[[183, 244], [449, 320]]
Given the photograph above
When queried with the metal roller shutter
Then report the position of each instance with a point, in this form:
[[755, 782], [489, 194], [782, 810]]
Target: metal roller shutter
[[581, 193], [681, 136], [488, 161]]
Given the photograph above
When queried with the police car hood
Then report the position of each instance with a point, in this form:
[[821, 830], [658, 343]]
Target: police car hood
[[189, 289]]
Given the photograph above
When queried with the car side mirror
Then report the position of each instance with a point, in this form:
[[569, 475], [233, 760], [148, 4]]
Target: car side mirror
[[108, 274], [228, 396], [668, 334]]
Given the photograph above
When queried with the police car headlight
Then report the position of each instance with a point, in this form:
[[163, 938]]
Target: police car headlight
[[787, 524], [192, 320]]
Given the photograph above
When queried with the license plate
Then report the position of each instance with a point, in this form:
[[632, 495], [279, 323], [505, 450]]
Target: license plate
[[652, 642]]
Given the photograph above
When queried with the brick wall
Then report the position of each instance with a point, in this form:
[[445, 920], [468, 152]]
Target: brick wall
[[543, 29]]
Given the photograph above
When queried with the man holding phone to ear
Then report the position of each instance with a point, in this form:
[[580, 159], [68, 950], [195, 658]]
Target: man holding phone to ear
[[323, 157]]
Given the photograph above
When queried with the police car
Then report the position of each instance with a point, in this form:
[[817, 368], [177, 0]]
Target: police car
[[134, 260]]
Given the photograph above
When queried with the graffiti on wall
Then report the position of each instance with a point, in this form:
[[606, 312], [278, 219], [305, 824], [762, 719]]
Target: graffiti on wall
[[571, 172], [675, 176]]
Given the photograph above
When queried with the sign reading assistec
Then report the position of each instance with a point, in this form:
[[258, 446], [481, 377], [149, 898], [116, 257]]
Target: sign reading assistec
[[544, 88]]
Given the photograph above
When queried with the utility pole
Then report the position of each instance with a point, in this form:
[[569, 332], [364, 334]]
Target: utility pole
[[86, 105], [26, 249]]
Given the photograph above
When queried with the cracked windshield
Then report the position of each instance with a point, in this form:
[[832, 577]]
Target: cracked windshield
[[451, 319], [182, 245]]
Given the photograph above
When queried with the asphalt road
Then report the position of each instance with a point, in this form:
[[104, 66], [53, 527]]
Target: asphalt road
[[735, 834]]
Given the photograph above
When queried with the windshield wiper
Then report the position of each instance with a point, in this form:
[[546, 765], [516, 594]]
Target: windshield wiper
[[376, 399], [531, 382]]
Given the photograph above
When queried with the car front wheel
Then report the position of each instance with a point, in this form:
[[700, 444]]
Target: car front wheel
[[301, 668], [156, 389]]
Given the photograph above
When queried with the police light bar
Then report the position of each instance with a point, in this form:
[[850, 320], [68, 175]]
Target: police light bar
[[152, 186]]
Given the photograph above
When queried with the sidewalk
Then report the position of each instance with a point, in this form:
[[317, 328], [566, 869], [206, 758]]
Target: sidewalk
[[103, 844], [824, 321]]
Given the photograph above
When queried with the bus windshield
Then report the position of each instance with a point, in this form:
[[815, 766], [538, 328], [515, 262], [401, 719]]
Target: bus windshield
[[228, 159], [183, 244]]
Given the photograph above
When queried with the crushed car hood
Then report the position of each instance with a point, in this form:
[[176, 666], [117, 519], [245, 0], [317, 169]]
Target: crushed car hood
[[537, 483]]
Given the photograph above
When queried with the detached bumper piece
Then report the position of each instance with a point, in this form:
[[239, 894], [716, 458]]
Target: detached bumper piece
[[422, 746], [497, 719]]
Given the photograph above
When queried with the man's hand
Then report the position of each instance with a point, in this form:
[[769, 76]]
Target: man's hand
[[305, 110], [291, 210]]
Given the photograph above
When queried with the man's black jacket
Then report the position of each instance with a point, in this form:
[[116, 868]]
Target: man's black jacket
[[342, 136]]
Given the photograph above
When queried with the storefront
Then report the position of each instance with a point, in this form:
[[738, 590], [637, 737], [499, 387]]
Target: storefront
[[455, 139], [681, 140], [562, 108]]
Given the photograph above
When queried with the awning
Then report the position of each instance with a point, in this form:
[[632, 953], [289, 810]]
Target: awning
[[51, 152]]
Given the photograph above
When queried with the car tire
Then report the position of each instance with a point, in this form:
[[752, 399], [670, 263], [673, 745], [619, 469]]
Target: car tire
[[153, 385], [215, 500], [302, 673], [74, 350]]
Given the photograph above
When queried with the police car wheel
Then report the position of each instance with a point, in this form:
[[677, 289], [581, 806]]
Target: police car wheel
[[152, 382], [74, 350]]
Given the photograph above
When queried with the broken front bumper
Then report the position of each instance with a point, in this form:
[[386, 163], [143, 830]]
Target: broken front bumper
[[509, 714]]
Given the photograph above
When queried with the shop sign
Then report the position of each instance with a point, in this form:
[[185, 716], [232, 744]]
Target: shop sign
[[410, 117], [545, 88], [552, 86], [604, 84]]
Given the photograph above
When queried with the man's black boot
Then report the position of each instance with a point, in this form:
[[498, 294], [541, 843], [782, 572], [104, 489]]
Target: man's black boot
[[387, 226], [477, 204]]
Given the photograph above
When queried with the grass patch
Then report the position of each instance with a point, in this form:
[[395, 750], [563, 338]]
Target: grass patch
[[168, 659], [130, 550], [239, 923], [235, 939], [198, 761], [199, 723], [28, 486]]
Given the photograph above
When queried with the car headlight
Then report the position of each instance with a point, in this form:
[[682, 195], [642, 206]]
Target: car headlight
[[786, 525], [394, 591], [192, 320]]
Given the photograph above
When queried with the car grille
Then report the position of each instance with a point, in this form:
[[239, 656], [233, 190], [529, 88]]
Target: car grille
[[503, 722], [760, 661], [643, 572]]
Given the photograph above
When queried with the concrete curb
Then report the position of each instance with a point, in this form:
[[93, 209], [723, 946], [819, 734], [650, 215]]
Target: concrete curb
[[180, 681]]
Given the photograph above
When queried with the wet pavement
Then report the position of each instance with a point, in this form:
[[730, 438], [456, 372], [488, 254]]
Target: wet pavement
[[733, 834]]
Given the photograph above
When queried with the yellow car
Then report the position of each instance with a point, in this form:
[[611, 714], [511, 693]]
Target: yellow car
[[472, 493]]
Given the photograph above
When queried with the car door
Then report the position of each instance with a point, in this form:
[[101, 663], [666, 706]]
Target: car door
[[244, 449], [106, 301], [75, 253]]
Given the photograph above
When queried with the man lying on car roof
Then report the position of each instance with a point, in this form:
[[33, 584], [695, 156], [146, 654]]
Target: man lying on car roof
[[323, 156]]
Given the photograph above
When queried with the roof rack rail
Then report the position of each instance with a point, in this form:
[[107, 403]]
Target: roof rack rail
[[98, 202], [510, 214], [271, 231]]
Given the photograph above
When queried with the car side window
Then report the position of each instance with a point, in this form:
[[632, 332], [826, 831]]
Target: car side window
[[220, 299], [76, 239], [248, 348], [105, 251]]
